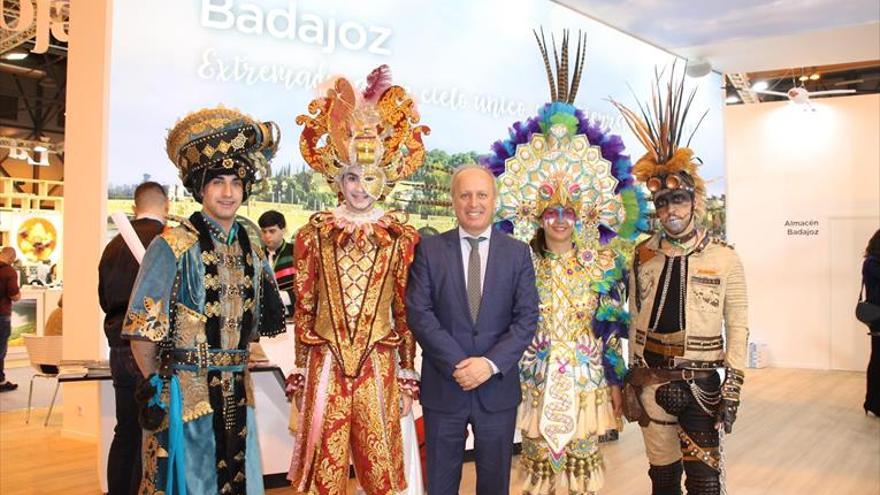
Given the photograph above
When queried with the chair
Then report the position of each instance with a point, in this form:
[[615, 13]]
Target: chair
[[45, 356]]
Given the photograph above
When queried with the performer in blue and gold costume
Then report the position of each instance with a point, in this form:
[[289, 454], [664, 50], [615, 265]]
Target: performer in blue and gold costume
[[566, 186], [204, 291]]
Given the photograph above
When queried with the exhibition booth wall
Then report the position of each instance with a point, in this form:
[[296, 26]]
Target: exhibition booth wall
[[474, 68], [803, 199], [803, 186]]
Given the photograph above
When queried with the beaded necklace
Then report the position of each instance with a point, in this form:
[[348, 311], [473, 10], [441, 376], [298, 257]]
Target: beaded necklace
[[681, 289]]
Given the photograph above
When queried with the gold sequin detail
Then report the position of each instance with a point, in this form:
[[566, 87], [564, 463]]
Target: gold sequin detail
[[212, 309], [152, 324], [190, 325], [239, 141], [211, 282], [192, 154], [180, 239], [355, 264], [202, 408]]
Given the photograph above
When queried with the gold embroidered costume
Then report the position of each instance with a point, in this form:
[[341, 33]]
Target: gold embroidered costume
[[354, 350], [201, 296]]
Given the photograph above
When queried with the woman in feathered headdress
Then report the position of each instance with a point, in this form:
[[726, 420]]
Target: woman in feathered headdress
[[565, 185]]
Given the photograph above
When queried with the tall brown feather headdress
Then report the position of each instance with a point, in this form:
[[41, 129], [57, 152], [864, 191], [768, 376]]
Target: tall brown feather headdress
[[660, 126]]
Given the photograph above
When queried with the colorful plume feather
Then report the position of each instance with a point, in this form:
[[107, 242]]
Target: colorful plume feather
[[377, 82], [562, 88], [659, 125]]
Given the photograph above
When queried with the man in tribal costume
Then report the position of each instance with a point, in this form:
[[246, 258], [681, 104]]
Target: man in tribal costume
[[204, 291], [354, 350], [566, 187], [689, 312]]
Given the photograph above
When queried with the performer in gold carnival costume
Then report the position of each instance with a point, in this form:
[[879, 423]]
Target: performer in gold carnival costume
[[203, 293], [566, 186], [354, 350], [689, 311]]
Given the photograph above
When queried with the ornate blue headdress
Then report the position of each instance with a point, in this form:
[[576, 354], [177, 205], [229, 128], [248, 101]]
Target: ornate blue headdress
[[559, 157]]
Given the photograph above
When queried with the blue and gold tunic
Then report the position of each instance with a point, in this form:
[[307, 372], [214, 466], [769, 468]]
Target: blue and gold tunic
[[180, 288]]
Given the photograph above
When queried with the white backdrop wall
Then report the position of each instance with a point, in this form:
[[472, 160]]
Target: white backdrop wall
[[473, 67], [820, 172], [136, 67]]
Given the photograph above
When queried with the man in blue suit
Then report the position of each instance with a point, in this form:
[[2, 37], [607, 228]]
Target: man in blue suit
[[473, 307]]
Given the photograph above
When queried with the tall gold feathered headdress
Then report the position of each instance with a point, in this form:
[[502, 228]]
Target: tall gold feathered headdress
[[375, 128], [659, 126]]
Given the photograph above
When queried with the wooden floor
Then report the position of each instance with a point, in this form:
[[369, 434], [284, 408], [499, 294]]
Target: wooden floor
[[799, 432]]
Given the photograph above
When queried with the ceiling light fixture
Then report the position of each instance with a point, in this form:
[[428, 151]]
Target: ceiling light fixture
[[814, 76], [698, 67], [40, 159], [760, 86], [803, 78], [15, 56]]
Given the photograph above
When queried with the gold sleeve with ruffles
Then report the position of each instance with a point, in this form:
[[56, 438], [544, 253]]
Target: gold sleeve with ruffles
[[407, 377], [407, 245], [305, 260]]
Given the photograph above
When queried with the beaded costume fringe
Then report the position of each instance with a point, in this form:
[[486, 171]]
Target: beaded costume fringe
[[582, 472], [581, 475]]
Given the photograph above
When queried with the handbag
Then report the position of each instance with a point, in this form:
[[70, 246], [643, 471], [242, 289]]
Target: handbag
[[866, 312]]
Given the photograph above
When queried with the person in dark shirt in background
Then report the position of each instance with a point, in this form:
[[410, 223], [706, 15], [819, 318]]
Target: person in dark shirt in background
[[871, 279], [9, 293], [273, 229], [116, 275]]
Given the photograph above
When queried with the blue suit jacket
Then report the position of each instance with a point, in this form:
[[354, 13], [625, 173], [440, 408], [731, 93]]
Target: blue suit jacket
[[438, 315]]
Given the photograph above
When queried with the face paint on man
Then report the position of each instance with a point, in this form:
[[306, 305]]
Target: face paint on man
[[675, 211]]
